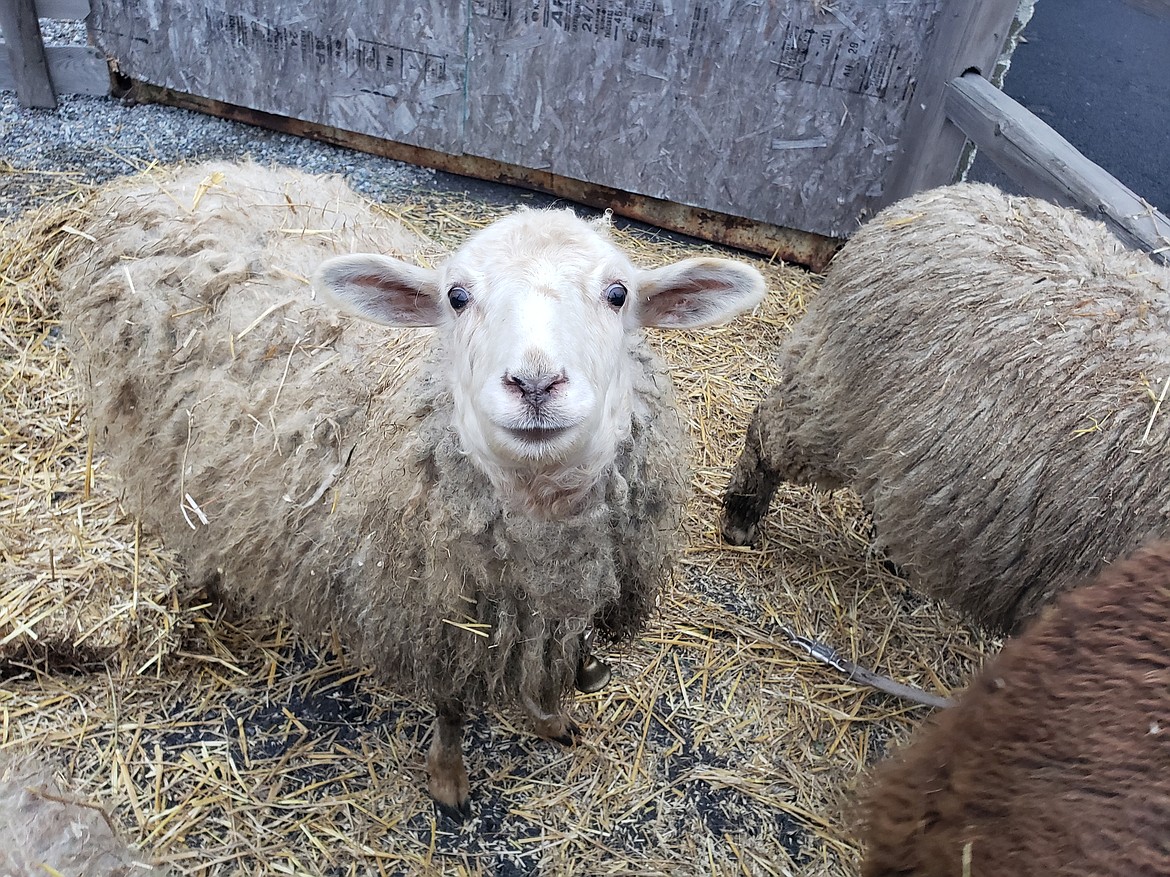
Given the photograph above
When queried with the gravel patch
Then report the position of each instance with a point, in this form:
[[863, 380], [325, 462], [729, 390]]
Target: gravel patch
[[96, 139], [56, 32]]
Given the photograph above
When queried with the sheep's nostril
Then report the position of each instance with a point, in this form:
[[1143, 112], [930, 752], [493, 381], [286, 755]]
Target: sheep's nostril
[[534, 389]]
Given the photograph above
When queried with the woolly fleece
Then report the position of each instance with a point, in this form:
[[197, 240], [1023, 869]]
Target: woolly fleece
[[1056, 761], [45, 831], [982, 370], [320, 453]]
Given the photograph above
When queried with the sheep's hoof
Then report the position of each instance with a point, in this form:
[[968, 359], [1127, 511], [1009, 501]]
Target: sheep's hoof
[[563, 731], [593, 675], [735, 533], [458, 813], [448, 784], [569, 737]]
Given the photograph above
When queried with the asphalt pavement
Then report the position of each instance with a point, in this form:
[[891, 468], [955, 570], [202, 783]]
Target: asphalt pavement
[[1098, 71]]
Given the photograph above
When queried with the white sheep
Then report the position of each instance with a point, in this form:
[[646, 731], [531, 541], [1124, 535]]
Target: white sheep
[[466, 496]]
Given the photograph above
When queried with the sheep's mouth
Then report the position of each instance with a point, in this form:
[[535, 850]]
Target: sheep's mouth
[[536, 435]]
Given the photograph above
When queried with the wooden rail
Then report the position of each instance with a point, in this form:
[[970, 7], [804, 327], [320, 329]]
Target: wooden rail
[[38, 73], [26, 53], [1048, 166]]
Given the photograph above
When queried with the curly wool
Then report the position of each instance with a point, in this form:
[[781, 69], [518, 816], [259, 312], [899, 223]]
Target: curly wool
[[1056, 761], [981, 369], [308, 462]]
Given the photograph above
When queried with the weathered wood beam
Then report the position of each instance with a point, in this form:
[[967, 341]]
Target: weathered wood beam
[[65, 10], [1048, 166], [967, 34], [72, 69], [26, 53]]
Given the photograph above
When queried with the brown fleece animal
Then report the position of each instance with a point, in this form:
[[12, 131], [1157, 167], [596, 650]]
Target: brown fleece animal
[[464, 495], [983, 370], [1056, 761]]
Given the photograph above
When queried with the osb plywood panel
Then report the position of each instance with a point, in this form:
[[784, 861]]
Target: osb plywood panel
[[770, 110], [387, 68]]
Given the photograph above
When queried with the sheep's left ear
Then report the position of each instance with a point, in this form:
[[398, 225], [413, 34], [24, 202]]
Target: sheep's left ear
[[697, 292]]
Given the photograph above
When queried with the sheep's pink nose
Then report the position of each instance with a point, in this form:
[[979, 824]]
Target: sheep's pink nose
[[535, 389]]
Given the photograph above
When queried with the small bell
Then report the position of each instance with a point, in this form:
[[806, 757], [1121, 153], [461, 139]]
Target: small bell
[[593, 674]]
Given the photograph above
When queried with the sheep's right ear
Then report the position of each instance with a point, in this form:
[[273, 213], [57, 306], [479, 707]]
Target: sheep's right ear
[[381, 289]]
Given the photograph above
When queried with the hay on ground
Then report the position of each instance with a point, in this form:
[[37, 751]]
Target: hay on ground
[[81, 582]]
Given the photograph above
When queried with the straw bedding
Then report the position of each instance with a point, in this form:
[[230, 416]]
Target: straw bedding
[[224, 745]]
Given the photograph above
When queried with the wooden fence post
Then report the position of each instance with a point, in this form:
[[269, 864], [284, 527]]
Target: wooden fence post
[[1048, 166], [969, 34], [26, 52]]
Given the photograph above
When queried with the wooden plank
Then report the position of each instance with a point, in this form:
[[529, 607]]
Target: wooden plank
[[1048, 166], [785, 112], [64, 10], [72, 70], [969, 35], [26, 53], [387, 67], [791, 245]]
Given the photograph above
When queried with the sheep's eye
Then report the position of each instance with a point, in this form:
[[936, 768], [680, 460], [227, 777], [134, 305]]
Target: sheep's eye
[[615, 294], [459, 297]]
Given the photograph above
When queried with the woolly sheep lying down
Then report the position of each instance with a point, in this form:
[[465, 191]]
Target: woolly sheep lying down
[[982, 370], [1056, 761], [467, 495]]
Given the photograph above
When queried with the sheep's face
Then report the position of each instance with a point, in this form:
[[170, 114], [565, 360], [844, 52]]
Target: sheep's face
[[539, 311]]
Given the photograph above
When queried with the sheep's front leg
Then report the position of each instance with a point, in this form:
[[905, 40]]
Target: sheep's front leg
[[550, 720], [446, 773], [770, 455], [753, 481]]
